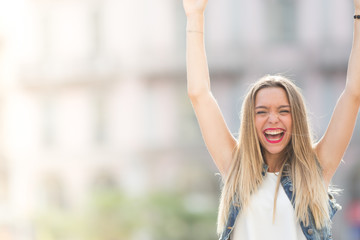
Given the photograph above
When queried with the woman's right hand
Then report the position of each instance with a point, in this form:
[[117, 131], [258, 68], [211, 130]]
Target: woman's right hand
[[194, 6], [357, 6]]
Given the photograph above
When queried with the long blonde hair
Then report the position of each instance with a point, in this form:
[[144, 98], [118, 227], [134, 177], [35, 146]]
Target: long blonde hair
[[300, 162]]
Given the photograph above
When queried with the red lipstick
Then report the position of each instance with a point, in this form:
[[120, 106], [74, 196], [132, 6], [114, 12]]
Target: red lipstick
[[274, 135]]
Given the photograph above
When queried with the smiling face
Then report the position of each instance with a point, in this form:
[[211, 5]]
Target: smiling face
[[273, 121]]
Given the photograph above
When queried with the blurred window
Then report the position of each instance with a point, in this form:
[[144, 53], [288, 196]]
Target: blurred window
[[282, 21], [4, 182], [99, 117], [46, 35], [48, 120], [103, 181], [53, 192], [96, 26]]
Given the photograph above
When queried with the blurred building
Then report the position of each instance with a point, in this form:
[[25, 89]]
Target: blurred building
[[93, 93]]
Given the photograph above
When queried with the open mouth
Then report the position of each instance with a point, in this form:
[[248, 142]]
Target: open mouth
[[274, 135]]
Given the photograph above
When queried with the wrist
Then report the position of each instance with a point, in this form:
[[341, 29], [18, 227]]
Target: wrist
[[195, 17], [195, 23]]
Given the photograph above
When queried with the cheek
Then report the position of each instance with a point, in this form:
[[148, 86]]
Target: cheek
[[288, 123], [259, 123]]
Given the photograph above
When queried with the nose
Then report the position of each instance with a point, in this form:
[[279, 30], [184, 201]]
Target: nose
[[273, 118]]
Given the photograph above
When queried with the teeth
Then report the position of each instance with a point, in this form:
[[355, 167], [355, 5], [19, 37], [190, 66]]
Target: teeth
[[274, 132]]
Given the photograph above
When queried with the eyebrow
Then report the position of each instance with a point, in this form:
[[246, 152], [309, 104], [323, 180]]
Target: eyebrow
[[281, 106]]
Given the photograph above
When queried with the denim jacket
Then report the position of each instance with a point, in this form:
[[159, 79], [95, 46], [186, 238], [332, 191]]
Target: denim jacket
[[310, 231]]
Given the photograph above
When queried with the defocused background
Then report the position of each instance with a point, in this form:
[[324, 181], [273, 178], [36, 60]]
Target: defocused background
[[98, 140]]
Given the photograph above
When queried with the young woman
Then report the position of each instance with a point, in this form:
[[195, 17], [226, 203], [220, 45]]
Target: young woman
[[276, 182]]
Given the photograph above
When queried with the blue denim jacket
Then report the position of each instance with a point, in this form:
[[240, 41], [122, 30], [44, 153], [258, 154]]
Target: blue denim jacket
[[310, 232]]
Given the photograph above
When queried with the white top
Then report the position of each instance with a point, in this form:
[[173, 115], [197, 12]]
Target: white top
[[256, 221]]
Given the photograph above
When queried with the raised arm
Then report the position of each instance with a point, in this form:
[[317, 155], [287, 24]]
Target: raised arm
[[217, 137], [332, 146]]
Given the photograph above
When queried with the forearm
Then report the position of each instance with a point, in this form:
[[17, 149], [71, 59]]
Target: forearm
[[198, 80], [353, 74]]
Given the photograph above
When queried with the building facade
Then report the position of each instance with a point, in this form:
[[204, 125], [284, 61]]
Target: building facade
[[93, 93]]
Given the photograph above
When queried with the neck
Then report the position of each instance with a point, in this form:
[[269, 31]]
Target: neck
[[274, 161]]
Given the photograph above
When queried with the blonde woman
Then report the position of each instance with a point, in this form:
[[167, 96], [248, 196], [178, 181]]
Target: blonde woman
[[276, 181]]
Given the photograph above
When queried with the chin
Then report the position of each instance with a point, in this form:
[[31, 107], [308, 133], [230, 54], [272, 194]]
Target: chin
[[274, 150]]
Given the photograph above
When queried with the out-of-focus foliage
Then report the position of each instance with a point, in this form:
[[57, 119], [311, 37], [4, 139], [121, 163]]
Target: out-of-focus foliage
[[112, 215]]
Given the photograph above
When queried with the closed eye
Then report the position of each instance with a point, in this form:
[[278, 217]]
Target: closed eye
[[260, 112], [284, 111]]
